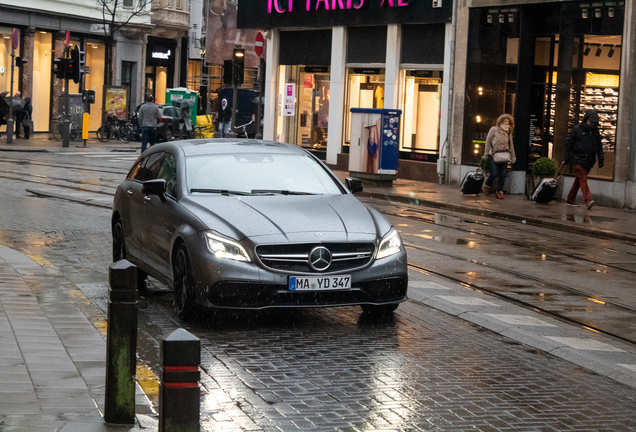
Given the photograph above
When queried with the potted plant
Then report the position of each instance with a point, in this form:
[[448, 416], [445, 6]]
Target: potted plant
[[541, 168], [544, 167]]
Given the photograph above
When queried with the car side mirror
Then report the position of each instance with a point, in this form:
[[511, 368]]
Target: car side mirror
[[155, 187], [354, 184]]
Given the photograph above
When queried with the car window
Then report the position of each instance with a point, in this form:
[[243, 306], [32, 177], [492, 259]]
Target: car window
[[136, 171], [152, 166], [246, 173], [168, 172]]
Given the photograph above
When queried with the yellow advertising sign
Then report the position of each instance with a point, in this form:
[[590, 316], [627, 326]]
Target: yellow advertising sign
[[601, 80], [115, 102]]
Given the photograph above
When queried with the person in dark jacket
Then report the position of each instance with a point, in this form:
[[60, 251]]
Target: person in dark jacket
[[225, 118], [582, 147], [27, 119]]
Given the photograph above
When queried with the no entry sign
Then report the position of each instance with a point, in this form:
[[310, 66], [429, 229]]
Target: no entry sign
[[258, 44], [15, 38]]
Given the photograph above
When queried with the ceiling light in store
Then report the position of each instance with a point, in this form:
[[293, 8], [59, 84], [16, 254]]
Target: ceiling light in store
[[502, 18], [597, 13], [610, 12], [584, 13], [478, 119], [511, 18], [610, 53], [480, 90], [599, 50], [489, 19], [587, 50]]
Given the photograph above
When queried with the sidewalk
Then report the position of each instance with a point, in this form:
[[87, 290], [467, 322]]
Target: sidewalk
[[52, 357]]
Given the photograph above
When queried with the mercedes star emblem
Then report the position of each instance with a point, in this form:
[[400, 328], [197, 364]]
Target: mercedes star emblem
[[320, 258]]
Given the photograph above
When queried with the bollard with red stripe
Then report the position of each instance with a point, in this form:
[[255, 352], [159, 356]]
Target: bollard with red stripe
[[179, 394]]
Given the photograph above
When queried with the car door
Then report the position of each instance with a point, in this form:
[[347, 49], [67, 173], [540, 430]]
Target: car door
[[162, 217], [131, 208]]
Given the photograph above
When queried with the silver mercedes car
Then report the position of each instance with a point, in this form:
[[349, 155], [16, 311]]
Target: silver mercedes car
[[248, 224]]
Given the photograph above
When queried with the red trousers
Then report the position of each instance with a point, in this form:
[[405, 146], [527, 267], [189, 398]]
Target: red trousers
[[579, 182]]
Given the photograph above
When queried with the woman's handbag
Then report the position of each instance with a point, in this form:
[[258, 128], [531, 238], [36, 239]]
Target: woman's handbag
[[502, 156]]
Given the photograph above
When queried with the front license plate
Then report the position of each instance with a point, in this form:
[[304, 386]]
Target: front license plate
[[302, 283]]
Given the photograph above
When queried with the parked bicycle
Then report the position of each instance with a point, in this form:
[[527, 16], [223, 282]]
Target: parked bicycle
[[113, 128], [58, 127]]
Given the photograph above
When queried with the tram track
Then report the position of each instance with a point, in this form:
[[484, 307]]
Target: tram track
[[580, 307]]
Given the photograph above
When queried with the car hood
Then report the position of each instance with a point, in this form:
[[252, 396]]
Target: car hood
[[283, 218]]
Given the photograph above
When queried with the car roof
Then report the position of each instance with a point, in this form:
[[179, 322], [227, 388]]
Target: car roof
[[198, 147]]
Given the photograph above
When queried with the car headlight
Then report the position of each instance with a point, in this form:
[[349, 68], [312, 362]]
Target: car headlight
[[390, 245], [224, 248]]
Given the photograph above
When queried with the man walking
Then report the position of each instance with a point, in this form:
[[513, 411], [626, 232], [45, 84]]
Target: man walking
[[149, 116], [582, 147]]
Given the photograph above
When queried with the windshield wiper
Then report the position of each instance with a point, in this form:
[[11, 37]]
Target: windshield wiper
[[279, 191], [219, 191]]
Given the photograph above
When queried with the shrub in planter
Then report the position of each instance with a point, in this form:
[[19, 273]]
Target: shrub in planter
[[545, 167]]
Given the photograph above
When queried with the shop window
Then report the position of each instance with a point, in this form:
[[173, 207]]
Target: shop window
[[491, 78], [421, 114], [5, 64], [95, 57], [42, 64], [303, 111], [365, 89]]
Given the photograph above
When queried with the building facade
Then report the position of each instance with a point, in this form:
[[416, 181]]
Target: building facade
[[546, 63], [334, 56], [43, 26]]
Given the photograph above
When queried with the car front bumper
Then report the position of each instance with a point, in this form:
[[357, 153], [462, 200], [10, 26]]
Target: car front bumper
[[222, 283]]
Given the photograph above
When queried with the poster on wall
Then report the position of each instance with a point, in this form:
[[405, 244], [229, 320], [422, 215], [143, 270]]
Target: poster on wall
[[223, 35], [290, 100], [115, 101]]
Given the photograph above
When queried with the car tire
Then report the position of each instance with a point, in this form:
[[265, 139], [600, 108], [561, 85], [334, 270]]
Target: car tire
[[380, 311], [119, 246], [183, 283]]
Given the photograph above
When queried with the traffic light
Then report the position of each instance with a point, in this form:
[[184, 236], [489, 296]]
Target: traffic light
[[76, 65], [19, 62], [239, 65]]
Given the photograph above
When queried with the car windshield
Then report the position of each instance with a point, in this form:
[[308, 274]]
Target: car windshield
[[258, 174]]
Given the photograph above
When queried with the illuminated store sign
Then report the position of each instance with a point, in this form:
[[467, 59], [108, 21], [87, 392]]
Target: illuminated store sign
[[161, 55], [282, 6], [264, 14]]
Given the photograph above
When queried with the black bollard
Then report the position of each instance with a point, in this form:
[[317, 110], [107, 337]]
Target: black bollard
[[119, 403], [179, 394]]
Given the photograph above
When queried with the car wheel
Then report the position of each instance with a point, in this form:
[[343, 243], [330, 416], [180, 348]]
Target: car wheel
[[119, 247], [183, 281], [383, 310]]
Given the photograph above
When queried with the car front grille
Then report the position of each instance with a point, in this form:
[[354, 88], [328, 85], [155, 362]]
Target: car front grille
[[295, 258]]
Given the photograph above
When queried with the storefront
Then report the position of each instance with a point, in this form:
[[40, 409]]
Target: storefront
[[160, 67], [324, 59], [5, 66], [546, 64]]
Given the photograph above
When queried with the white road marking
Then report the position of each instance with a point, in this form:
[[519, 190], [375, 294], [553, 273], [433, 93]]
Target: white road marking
[[522, 320], [585, 344], [472, 301]]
